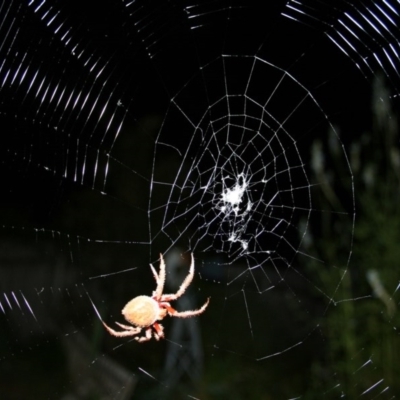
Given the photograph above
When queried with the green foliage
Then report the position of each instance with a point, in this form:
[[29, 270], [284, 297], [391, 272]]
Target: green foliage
[[361, 318]]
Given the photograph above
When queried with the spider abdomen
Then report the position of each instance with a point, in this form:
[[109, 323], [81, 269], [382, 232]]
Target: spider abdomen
[[141, 311]]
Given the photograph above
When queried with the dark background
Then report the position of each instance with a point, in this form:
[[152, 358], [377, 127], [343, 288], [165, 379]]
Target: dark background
[[87, 103]]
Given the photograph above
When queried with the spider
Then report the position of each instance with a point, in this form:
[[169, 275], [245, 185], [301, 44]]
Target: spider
[[144, 312]]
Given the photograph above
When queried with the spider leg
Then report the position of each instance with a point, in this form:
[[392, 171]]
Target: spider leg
[[127, 327], [187, 281], [160, 278], [159, 330], [154, 273], [185, 314], [145, 338], [131, 332]]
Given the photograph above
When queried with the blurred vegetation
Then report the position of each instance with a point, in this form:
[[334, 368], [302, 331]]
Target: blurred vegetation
[[361, 320]]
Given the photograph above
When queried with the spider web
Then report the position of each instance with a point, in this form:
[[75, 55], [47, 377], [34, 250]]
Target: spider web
[[132, 128]]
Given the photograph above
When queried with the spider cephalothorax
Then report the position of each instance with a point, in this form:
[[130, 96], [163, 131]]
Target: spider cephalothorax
[[143, 312]]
